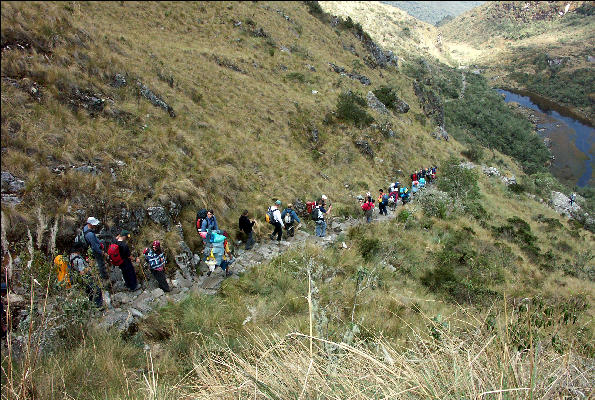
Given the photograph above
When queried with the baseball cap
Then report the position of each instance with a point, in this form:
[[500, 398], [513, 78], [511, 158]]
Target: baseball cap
[[324, 197], [125, 233], [278, 202], [93, 221]]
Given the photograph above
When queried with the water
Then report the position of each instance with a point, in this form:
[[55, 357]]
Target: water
[[573, 141]]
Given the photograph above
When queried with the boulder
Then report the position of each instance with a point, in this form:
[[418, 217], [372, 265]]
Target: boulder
[[376, 104], [154, 99], [159, 215], [561, 203], [11, 184]]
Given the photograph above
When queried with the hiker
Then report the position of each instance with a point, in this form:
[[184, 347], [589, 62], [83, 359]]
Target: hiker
[[368, 207], [326, 204], [276, 220], [79, 264], [382, 202], [422, 182], [96, 246], [572, 198], [289, 217], [392, 198], [317, 216], [156, 260], [246, 225], [218, 249], [414, 187], [119, 254], [210, 222]]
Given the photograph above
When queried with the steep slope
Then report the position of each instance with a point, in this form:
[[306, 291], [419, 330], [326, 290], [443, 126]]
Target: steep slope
[[434, 12], [392, 28], [543, 47], [243, 111]]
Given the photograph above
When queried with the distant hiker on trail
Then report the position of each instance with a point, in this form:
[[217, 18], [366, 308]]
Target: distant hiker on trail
[[274, 218], [156, 260], [392, 198], [572, 198], [422, 182], [210, 222], [326, 204], [119, 254], [368, 207], [382, 202], [317, 216], [91, 240], [289, 217], [414, 187], [246, 225], [79, 264]]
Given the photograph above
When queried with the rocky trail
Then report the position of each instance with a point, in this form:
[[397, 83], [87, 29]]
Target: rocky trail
[[125, 309]]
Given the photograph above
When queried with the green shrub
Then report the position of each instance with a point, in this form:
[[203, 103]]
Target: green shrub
[[403, 216], [296, 77], [368, 247], [518, 230], [350, 108], [473, 153], [457, 181]]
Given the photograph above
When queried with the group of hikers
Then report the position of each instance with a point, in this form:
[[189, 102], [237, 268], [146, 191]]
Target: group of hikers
[[217, 252]]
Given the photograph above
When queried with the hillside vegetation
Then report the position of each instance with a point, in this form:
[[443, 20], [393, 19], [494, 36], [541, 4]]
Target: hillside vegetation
[[476, 289], [434, 12], [537, 46]]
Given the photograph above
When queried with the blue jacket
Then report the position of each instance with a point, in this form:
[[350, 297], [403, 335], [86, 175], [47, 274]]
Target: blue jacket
[[92, 240], [294, 216], [209, 223]]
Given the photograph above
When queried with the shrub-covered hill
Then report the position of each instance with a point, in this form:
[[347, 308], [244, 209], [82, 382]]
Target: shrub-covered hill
[[434, 12], [111, 108], [543, 47]]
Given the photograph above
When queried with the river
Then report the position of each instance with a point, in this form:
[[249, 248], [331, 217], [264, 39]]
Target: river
[[572, 142]]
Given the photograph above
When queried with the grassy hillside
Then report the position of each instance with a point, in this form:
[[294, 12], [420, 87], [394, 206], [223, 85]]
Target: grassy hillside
[[391, 27], [434, 12], [477, 289], [534, 46], [229, 84]]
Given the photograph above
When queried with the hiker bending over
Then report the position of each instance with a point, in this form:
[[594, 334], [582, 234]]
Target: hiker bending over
[[156, 260], [368, 207], [246, 225], [289, 217], [119, 254], [79, 264], [96, 246], [276, 220], [210, 222]]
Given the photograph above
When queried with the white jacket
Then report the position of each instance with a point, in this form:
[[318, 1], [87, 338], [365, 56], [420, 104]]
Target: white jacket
[[277, 216]]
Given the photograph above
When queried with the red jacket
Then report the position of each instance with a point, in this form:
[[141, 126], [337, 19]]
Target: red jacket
[[367, 206]]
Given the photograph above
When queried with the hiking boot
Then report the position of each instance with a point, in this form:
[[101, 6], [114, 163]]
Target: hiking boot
[[138, 286], [209, 273]]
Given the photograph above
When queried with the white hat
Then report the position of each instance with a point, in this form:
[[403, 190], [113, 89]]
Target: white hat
[[93, 221], [324, 197]]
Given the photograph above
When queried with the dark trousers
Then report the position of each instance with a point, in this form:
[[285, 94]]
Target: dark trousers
[[249, 240], [99, 260], [382, 208], [278, 231], [129, 274], [94, 293], [290, 229], [161, 279]]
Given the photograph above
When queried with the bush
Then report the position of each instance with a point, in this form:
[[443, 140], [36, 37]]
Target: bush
[[458, 182], [349, 108], [435, 203], [368, 247], [473, 153], [518, 230], [403, 216]]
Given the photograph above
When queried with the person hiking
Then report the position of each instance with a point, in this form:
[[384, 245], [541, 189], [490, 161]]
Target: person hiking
[[289, 217], [572, 198], [276, 220], [393, 196], [246, 224], [119, 254], [96, 245], [382, 202], [210, 222], [318, 217], [368, 207], [326, 204], [84, 275], [156, 260], [218, 249]]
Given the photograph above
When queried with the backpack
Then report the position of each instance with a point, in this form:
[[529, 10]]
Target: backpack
[[288, 218], [391, 200], [316, 214], [80, 241], [269, 216], [385, 199], [62, 268], [113, 251], [200, 216], [310, 205]]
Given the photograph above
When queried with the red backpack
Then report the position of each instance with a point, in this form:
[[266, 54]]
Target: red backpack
[[113, 251], [309, 206]]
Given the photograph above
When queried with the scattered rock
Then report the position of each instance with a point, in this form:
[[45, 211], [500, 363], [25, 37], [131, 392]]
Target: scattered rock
[[365, 148], [154, 99], [11, 184], [376, 104], [490, 171], [87, 169], [119, 81], [159, 215]]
